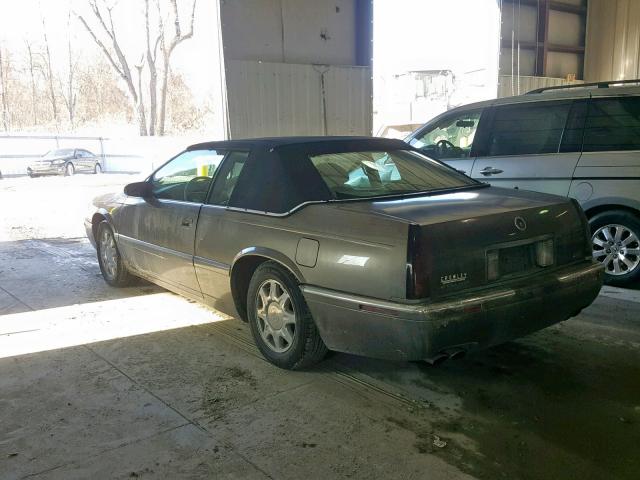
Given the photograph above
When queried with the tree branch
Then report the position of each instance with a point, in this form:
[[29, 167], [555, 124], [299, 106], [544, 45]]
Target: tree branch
[[100, 44]]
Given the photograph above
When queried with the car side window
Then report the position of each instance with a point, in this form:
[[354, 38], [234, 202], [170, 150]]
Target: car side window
[[450, 138], [188, 176], [612, 124], [527, 128], [228, 178]]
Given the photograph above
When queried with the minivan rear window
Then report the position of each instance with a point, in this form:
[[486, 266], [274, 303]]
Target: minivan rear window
[[527, 129], [612, 124]]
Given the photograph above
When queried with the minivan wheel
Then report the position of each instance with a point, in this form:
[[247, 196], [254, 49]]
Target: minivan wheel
[[280, 321], [111, 265], [615, 239]]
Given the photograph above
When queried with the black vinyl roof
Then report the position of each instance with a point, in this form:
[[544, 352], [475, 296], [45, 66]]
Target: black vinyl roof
[[268, 143], [278, 175]]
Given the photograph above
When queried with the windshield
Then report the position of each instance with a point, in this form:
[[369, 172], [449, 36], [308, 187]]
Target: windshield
[[374, 174], [63, 152]]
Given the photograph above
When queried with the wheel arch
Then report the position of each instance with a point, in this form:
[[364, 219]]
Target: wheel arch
[[98, 217], [594, 209], [245, 264]]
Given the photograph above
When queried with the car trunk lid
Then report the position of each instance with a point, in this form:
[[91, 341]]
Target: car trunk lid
[[471, 238]]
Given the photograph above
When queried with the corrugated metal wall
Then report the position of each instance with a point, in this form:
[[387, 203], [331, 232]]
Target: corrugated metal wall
[[272, 99], [613, 40], [512, 85]]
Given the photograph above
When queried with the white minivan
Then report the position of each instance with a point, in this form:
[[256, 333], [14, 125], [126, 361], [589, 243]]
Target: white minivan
[[581, 141]]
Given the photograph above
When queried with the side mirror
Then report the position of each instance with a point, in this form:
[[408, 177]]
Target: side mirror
[[138, 189]]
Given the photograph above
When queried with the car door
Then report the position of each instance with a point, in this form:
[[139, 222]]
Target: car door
[[531, 146], [450, 139], [163, 227], [216, 243], [79, 162], [89, 160]]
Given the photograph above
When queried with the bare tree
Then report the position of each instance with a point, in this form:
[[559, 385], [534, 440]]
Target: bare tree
[[167, 49], [4, 81], [69, 90], [49, 74], [105, 37], [115, 55], [33, 67]]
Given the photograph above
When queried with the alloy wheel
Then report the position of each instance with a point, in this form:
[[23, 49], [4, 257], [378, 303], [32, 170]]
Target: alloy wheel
[[617, 247], [109, 253], [276, 316]]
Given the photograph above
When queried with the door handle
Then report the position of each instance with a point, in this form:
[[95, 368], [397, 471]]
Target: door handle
[[490, 171], [187, 222]]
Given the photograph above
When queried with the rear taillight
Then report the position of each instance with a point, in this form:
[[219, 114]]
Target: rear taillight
[[418, 264]]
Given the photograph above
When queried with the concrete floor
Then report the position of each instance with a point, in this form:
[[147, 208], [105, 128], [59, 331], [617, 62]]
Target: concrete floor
[[97, 382]]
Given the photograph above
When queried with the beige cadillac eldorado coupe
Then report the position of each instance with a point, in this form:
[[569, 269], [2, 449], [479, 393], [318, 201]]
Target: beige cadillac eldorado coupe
[[359, 245]]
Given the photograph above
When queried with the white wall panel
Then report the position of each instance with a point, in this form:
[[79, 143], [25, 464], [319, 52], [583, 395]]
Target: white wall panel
[[509, 86], [273, 99], [293, 31], [613, 40]]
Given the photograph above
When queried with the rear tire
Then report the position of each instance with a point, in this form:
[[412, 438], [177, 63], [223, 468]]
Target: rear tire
[[280, 321], [615, 242], [112, 267]]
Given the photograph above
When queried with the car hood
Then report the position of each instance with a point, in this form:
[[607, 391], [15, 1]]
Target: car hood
[[49, 160], [109, 200], [469, 203]]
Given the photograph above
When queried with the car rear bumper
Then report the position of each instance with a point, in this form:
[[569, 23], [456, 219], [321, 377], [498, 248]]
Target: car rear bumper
[[494, 315]]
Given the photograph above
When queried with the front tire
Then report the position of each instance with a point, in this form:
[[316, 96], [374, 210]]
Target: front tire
[[112, 267], [69, 170], [280, 321], [615, 238], [97, 169]]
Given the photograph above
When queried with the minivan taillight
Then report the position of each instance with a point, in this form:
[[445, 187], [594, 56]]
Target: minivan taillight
[[418, 264]]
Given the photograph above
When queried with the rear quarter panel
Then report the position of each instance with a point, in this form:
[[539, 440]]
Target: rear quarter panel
[[359, 254]]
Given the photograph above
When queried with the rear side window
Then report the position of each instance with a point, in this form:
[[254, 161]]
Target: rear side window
[[527, 129], [612, 124], [227, 178]]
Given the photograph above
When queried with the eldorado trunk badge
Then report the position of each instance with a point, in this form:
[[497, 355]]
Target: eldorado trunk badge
[[520, 223], [453, 278]]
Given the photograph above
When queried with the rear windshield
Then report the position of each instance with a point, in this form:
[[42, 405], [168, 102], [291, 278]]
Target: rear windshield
[[374, 174]]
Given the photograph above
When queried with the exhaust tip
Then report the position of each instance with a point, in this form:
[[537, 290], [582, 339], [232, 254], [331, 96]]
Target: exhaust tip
[[436, 360], [457, 354]]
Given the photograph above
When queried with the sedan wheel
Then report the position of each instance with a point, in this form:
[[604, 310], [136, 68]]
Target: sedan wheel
[[97, 169], [280, 321], [276, 317], [69, 170], [113, 269], [109, 253], [615, 243]]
